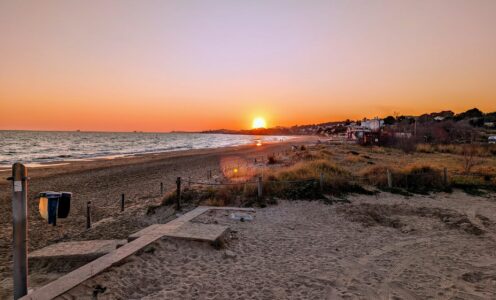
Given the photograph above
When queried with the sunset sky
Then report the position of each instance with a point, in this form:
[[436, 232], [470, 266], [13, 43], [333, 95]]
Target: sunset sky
[[194, 65]]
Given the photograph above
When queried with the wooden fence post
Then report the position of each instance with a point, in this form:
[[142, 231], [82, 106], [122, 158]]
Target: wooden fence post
[[19, 210], [260, 187], [161, 188], [178, 193], [122, 202], [389, 178], [321, 182], [88, 215], [445, 176]]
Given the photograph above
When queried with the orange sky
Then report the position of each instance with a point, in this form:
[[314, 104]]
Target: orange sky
[[194, 65]]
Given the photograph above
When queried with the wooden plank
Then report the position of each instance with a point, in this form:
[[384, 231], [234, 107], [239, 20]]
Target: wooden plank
[[76, 249], [199, 232], [76, 277]]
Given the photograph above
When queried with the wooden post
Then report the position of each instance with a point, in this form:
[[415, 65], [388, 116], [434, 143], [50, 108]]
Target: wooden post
[[88, 215], [389, 178], [178, 193], [161, 188], [20, 226], [122, 202], [321, 182], [260, 187], [445, 176]]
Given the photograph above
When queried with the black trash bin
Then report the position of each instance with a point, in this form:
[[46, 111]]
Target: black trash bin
[[64, 205]]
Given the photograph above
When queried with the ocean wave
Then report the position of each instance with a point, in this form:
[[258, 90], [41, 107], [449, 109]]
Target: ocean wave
[[29, 147]]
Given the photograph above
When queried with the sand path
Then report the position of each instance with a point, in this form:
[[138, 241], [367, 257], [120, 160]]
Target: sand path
[[308, 250]]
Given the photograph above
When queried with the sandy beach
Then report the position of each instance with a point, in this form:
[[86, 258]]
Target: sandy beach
[[310, 250], [383, 246], [102, 181]]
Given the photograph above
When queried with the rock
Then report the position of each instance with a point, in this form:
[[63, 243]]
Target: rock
[[241, 217], [229, 254], [407, 229]]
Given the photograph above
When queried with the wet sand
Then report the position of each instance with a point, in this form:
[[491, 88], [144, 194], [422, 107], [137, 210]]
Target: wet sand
[[103, 181]]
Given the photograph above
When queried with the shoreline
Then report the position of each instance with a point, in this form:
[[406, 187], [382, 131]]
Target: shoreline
[[66, 166], [115, 150]]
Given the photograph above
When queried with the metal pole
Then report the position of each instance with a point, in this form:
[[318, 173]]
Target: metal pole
[[260, 187], [88, 215], [19, 212], [161, 188], [122, 202], [178, 193]]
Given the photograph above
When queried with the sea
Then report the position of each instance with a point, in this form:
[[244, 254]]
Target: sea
[[40, 147]]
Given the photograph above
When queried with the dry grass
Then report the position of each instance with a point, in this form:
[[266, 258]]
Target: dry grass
[[351, 158], [302, 180], [343, 166], [479, 150], [413, 178]]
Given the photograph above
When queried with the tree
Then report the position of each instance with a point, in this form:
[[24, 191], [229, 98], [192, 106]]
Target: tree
[[389, 120], [469, 114]]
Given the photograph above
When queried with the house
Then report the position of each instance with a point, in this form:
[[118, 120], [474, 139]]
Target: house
[[491, 139], [374, 125]]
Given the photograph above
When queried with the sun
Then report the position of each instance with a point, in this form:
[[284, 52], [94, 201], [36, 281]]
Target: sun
[[259, 123]]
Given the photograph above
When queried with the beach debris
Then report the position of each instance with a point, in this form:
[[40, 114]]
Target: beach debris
[[407, 229], [241, 217], [229, 254], [98, 289]]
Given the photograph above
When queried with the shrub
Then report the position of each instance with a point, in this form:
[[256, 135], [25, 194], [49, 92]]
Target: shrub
[[335, 181], [417, 179], [470, 157], [375, 175], [271, 160], [425, 148]]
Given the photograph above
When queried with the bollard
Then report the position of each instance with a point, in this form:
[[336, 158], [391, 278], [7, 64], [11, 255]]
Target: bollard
[[88, 215], [321, 182], [389, 178], [445, 176], [260, 187], [19, 211], [161, 188], [178, 193], [122, 202]]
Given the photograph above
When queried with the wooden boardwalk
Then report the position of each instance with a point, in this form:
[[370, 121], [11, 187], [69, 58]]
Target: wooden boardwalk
[[146, 237], [77, 250]]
